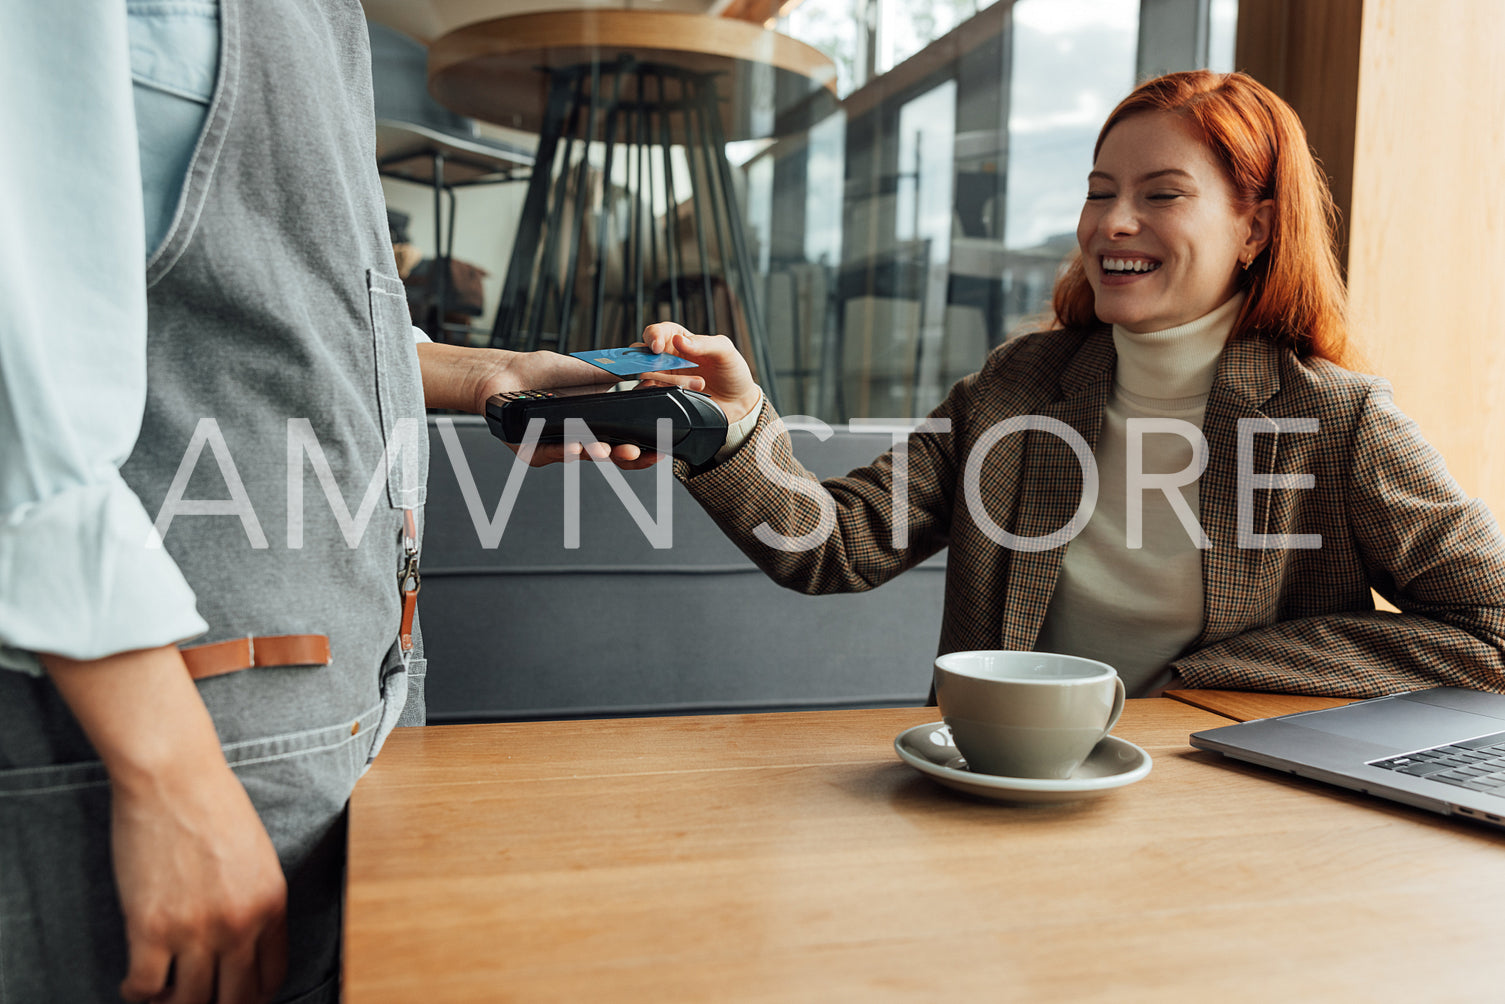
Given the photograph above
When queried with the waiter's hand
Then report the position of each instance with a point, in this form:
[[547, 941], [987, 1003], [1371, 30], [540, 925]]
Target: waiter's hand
[[200, 886], [461, 378]]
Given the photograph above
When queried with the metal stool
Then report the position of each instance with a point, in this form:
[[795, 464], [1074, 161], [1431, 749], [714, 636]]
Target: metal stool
[[644, 269]]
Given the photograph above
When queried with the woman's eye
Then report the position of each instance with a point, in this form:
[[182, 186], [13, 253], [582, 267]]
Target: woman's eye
[[1098, 196], [1164, 196]]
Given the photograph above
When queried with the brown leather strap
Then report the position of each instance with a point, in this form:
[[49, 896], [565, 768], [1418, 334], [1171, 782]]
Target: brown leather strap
[[405, 629], [408, 580], [262, 650]]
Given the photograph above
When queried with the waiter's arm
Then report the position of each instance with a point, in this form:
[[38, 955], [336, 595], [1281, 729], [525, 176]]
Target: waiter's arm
[[461, 378], [77, 578], [200, 886]]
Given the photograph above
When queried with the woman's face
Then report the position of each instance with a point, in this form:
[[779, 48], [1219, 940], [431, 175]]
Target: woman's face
[[1162, 240]]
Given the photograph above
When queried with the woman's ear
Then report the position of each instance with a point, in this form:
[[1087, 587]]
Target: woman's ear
[[1261, 223]]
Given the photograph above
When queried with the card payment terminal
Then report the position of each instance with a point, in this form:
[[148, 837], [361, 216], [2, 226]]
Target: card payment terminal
[[697, 423]]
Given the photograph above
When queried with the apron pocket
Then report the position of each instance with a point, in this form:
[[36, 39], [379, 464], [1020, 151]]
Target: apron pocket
[[399, 391], [62, 936], [395, 695], [415, 709]]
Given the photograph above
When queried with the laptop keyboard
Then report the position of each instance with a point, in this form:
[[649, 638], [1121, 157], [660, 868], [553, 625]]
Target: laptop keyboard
[[1476, 764]]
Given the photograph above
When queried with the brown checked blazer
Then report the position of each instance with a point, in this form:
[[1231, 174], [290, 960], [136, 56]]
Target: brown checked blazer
[[1283, 619]]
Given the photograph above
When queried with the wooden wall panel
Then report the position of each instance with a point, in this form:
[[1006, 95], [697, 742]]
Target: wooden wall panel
[[1427, 258], [1404, 102], [1307, 51]]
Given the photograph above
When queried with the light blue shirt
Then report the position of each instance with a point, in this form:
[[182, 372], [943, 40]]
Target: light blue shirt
[[115, 96], [174, 59]]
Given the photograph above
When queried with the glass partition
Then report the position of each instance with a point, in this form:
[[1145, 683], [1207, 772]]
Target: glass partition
[[961, 168], [897, 227]]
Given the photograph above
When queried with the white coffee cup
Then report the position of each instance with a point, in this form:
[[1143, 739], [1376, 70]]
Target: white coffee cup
[[1026, 714]]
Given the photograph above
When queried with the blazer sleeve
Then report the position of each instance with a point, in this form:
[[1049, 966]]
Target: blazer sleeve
[[1428, 548], [845, 534]]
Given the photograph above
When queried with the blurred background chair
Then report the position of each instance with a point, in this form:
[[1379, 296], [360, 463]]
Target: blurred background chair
[[534, 628]]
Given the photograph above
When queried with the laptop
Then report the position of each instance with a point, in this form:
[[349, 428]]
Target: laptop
[[1441, 749]]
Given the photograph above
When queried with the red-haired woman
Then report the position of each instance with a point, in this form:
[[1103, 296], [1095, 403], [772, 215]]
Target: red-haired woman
[[1230, 493]]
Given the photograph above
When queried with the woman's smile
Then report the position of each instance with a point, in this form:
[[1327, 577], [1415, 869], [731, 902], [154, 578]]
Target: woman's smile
[[1122, 268]]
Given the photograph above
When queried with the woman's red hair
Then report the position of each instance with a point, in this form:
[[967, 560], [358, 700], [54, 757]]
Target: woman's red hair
[[1296, 295]]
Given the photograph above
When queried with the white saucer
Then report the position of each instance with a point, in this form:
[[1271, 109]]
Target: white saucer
[[1113, 763]]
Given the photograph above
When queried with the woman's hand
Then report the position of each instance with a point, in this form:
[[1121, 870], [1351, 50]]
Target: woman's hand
[[723, 373]]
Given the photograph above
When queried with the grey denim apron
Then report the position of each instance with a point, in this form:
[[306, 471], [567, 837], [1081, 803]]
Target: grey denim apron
[[279, 338]]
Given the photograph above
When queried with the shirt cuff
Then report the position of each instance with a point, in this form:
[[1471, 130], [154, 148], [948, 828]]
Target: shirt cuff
[[420, 336], [738, 431], [84, 581]]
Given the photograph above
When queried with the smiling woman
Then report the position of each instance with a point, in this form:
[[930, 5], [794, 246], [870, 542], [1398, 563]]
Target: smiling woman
[[1217, 140], [1179, 477]]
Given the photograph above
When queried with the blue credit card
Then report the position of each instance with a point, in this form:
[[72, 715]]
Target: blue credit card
[[632, 361]]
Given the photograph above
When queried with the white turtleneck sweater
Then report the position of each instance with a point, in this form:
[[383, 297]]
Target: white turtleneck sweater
[[1138, 608]]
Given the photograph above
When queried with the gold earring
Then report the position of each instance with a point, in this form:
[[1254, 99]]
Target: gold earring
[[1247, 263]]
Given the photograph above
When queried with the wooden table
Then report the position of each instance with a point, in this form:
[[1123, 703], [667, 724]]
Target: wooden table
[[1247, 705], [793, 857], [498, 70]]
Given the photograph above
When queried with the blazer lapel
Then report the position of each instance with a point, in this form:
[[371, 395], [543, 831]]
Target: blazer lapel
[[1050, 489], [1247, 378]]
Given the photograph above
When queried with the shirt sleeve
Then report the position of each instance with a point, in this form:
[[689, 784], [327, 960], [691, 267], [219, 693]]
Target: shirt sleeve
[[77, 574], [420, 336]]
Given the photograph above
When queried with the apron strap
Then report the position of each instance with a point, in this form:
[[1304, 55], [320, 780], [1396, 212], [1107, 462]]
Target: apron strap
[[264, 650]]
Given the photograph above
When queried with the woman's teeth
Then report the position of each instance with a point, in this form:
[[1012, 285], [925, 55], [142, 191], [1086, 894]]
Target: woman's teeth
[[1129, 265]]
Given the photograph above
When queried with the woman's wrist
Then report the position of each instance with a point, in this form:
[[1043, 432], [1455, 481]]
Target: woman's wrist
[[738, 430], [743, 405]]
